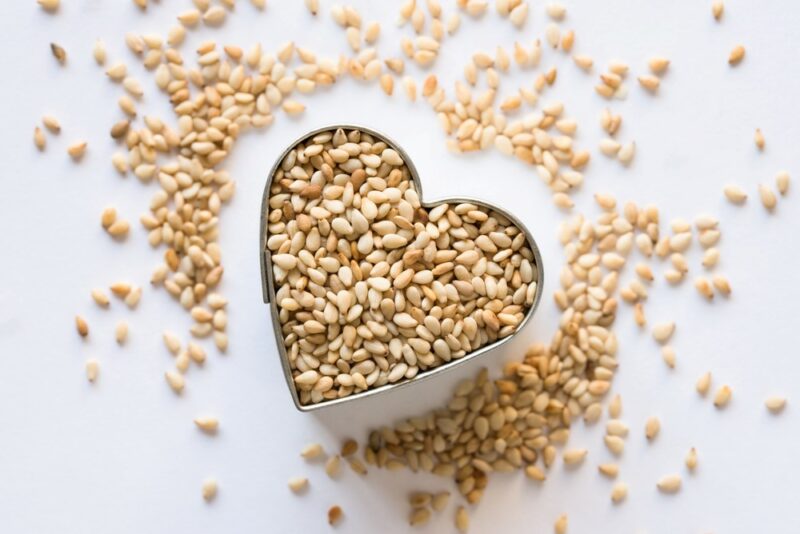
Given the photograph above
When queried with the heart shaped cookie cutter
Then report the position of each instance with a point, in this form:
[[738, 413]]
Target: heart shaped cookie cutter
[[268, 281]]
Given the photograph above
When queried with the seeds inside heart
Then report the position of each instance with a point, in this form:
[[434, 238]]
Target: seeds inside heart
[[372, 287]]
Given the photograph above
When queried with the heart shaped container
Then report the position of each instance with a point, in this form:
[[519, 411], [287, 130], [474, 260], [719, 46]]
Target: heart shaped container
[[268, 282]]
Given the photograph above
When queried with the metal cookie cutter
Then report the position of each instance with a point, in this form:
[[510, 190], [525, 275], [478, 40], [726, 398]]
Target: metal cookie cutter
[[268, 282]]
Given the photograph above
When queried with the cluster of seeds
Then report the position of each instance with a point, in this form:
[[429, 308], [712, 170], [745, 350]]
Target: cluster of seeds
[[511, 423], [372, 287]]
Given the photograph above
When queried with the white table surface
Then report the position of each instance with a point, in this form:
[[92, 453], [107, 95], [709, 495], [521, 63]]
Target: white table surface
[[123, 455]]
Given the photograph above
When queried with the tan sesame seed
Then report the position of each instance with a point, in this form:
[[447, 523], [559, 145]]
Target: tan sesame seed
[[209, 489], [775, 404], [691, 459], [649, 82], [560, 526], [658, 65], [723, 396], [619, 492], [59, 53], [782, 182], [608, 470], [717, 8], [703, 383], [669, 484], [335, 515], [462, 519], [298, 484], [175, 381], [121, 332], [768, 198], [759, 139], [92, 369], [77, 150], [82, 326], [736, 55], [652, 428], [312, 451], [207, 424], [39, 139], [50, 6]]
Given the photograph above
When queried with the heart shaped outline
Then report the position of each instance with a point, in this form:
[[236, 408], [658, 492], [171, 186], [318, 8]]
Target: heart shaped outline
[[268, 282]]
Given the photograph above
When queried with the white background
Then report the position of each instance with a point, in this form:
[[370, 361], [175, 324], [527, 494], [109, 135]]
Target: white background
[[123, 455]]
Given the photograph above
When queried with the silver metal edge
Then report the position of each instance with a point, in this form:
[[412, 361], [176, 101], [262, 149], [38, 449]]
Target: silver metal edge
[[268, 289]]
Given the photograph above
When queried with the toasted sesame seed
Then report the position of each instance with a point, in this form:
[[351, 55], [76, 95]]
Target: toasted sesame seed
[[440, 500], [663, 331], [175, 381], [619, 492], [462, 519], [649, 82], [207, 424], [121, 332], [92, 369], [312, 6], [50, 6], [59, 53], [759, 139], [775, 404], [349, 448], [82, 326], [652, 428], [561, 523], [782, 182], [703, 383], [298, 484], [658, 65], [669, 484], [419, 516], [723, 396], [736, 55], [214, 16], [99, 52], [209, 489], [535, 473], [615, 444], [615, 407], [333, 466], [735, 194], [768, 198], [312, 451], [721, 284], [77, 150], [574, 456], [668, 355], [615, 427], [39, 139], [99, 296], [691, 459], [334, 515], [717, 8], [703, 287], [608, 470], [52, 124]]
